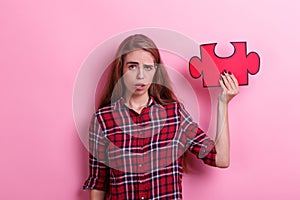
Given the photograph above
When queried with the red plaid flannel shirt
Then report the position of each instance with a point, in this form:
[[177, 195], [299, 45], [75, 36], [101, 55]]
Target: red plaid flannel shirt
[[139, 156]]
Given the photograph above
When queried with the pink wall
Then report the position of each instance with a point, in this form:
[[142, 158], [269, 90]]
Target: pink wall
[[44, 43]]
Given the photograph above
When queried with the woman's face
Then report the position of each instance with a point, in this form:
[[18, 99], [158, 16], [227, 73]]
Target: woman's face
[[138, 72]]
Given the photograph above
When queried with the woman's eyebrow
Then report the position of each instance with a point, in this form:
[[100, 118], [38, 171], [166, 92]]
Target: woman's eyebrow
[[137, 63], [132, 63], [148, 65]]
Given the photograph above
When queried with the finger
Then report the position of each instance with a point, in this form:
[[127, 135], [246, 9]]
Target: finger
[[222, 84], [235, 82], [226, 81], [234, 79], [230, 81]]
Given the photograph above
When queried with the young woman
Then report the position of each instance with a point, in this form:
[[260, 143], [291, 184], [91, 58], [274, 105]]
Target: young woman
[[140, 132]]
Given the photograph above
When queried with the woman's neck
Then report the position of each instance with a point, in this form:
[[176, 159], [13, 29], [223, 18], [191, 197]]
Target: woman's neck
[[137, 103]]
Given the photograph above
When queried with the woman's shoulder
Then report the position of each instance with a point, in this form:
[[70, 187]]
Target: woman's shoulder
[[175, 104], [175, 107], [105, 108], [178, 107]]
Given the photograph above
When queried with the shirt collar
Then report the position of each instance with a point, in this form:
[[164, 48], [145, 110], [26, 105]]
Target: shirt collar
[[120, 103]]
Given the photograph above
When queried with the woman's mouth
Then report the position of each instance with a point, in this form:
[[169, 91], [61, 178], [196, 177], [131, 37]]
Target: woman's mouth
[[140, 86]]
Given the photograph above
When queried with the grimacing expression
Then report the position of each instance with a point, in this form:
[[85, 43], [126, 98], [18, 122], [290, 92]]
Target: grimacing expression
[[138, 72]]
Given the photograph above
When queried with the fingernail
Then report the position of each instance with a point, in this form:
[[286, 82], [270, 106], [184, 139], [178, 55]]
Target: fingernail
[[225, 71], [229, 72]]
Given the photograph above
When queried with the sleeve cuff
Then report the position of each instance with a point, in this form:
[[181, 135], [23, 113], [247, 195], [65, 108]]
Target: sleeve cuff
[[94, 183], [208, 153]]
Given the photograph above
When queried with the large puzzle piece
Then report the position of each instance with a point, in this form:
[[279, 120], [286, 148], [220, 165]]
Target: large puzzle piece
[[209, 65]]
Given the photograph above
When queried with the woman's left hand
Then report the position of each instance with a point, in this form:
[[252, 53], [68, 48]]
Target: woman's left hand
[[230, 87]]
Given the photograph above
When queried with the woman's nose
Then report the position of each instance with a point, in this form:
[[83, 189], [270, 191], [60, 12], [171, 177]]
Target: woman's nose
[[140, 74]]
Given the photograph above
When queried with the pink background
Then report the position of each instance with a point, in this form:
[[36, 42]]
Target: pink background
[[44, 43]]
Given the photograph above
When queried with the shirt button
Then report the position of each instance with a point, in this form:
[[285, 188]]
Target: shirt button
[[142, 198], [140, 165]]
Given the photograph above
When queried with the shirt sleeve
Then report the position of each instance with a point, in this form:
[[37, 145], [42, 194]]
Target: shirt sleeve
[[98, 171], [199, 143]]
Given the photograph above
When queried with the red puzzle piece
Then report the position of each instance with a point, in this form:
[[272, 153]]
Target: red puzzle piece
[[209, 65]]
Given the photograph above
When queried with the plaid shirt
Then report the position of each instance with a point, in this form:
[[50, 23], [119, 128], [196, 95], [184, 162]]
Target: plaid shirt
[[139, 156]]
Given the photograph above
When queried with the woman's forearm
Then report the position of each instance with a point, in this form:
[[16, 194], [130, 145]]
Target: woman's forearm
[[222, 136], [97, 195]]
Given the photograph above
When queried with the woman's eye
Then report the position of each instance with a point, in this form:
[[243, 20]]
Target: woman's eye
[[132, 67], [148, 67]]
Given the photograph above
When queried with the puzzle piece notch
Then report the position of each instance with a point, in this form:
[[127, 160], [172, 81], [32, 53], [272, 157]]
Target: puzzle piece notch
[[209, 65]]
